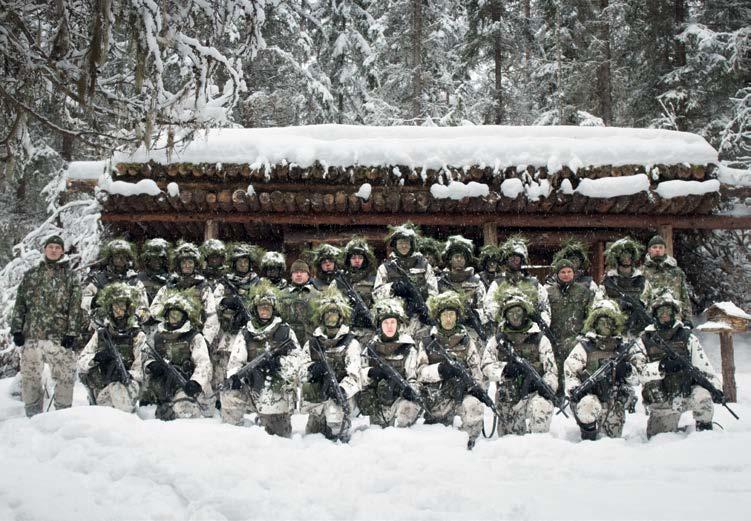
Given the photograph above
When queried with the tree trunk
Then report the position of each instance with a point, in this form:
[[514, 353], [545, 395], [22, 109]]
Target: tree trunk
[[498, 63], [416, 59], [559, 72], [604, 87]]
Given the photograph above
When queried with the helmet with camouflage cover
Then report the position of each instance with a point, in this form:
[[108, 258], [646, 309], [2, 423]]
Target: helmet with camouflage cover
[[359, 246], [185, 301], [459, 244], [213, 247], [157, 248], [662, 296], [511, 297], [623, 246], [187, 250], [118, 247], [238, 250], [572, 248], [118, 292], [324, 252], [490, 252], [263, 293], [403, 231], [605, 308], [330, 299], [515, 245], [388, 308], [443, 301], [430, 247], [273, 259]]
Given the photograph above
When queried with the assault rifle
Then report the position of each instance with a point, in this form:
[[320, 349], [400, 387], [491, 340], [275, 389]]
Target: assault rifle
[[475, 323], [473, 388], [394, 377], [248, 369], [360, 308], [414, 297], [531, 374], [605, 371], [238, 298], [172, 373], [123, 375], [333, 384]]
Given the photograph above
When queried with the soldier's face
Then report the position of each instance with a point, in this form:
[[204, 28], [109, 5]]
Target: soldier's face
[[175, 317], [119, 260], [242, 265], [403, 246], [389, 327], [118, 309], [448, 319], [514, 262], [53, 252], [457, 261], [566, 275], [515, 316], [300, 277], [274, 273], [491, 266], [215, 261], [264, 311], [327, 265], [187, 266], [657, 250], [604, 326], [155, 263], [331, 319], [664, 314], [356, 261], [625, 260]]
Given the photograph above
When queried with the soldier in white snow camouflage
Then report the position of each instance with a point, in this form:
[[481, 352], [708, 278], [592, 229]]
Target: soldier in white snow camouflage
[[359, 273], [327, 261], [214, 253], [156, 263], [273, 267]]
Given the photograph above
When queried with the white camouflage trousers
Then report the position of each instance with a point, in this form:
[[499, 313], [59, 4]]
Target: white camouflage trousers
[[119, 396], [609, 420], [664, 416], [326, 416], [401, 413], [470, 411], [219, 362], [532, 414], [237, 403], [62, 362]]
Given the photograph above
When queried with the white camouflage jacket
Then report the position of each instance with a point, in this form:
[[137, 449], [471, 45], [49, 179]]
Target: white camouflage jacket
[[352, 361], [411, 361], [210, 327], [576, 363], [86, 358], [199, 354]]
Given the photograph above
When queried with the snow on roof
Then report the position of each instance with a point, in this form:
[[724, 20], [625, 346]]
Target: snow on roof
[[87, 169], [734, 176], [680, 188], [732, 310], [435, 147], [713, 327]]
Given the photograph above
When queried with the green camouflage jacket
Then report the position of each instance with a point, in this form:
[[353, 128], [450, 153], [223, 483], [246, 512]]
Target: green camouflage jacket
[[667, 274]]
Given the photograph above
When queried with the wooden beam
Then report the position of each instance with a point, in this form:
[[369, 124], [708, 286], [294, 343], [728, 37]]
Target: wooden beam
[[210, 230], [490, 233], [728, 366], [598, 266], [666, 231]]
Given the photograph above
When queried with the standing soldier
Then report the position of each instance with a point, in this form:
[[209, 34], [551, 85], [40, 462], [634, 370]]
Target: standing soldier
[[446, 391], [273, 266], [522, 407], [214, 252], [578, 253], [240, 276], [268, 385], [326, 261], [330, 401], [667, 389], [156, 265], [491, 260], [382, 398], [45, 325], [431, 249], [179, 353], [459, 276], [294, 301], [661, 271], [232, 318], [110, 364], [358, 276], [601, 409], [570, 302], [406, 274], [625, 283]]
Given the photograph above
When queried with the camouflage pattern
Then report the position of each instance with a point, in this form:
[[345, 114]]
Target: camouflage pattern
[[295, 308], [153, 280], [511, 281], [48, 302], [574, 249], [214, 274], [488, 253], [197, 288], [665, 416], [667, 274], [362, 280], [431, 249], [62, 363], [325, 251], [468, 284], [274, 259], [97, 281], [634, 286]]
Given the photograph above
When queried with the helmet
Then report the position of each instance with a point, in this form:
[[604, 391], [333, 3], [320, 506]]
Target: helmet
[[358, 245], [490, 252], [388, 308], [605, 308], [515, 245], [185, 301], [446, 300], [429, 246], [264, 293], [663, 296], [326, 251], [330, 299], [155, 248], [621, 246], [459, 244], [118, 292], [403, 231], [213, 247], [187, 250], [511, 297], [118, 247], [273, 258], [573, 248]]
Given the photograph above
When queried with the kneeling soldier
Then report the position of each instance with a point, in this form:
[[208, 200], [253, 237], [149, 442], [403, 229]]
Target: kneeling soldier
[[110, 364], [328, 399], [178, 367], [448, 393], [600, 401], [264, 366]]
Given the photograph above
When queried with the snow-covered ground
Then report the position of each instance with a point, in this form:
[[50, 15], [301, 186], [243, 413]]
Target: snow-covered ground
[[96, 463]]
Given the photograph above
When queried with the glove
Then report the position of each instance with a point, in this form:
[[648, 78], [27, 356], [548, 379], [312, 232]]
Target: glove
[[69, 342], [409, 394], [155, 369], [19, 339], [512, 370], [331, 392], [102, 357], [669, 365], [446, 370], [235, 383], [575, 396], [717, 396], [272, 365], [376, 373], [192, 388], [316, 371], [400, 288], [622, 371]]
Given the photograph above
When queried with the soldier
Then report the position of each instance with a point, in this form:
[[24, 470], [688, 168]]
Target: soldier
[[179, 346], [214, 252], [273, 266], [578, 253], [603, 409], [515, 255], [326, 261], [45, 326], [381, 399], [240, 277], [459, 276], [334, 340], [294, 301], [570, 302], [662, 271], [625, 283], [431, 249], [667, 390], [523, 410], [446, 391], [268, 388], [120, 331], [187, 261], [232, 318], [117, 259], [491, 260], [156, 265], [405, 258], [358, 275]]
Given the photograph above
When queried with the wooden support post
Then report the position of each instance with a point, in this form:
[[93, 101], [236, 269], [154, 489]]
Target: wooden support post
[[490, 233], [728, 366], [666, 231], [210, 230], [598, 264]]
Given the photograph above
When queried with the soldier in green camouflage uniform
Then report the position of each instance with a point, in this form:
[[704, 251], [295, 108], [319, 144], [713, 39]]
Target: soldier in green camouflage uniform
[[156, 263], [661, 271], [578, 253], [625, 283], [273, 266], [447, 394], [97, 365], [269, 389], [326, 263], [667, 390], [522, 408], [214, 252], [432, 250], [380, 399], [45, 326], [603, 410], [570, 302], [359, 273], [491, 261], [334, 339], [294, 301], [240, 277], [179, 342]]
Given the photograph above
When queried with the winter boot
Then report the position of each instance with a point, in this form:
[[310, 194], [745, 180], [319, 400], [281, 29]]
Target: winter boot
[[588, 431], [703, 426]]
